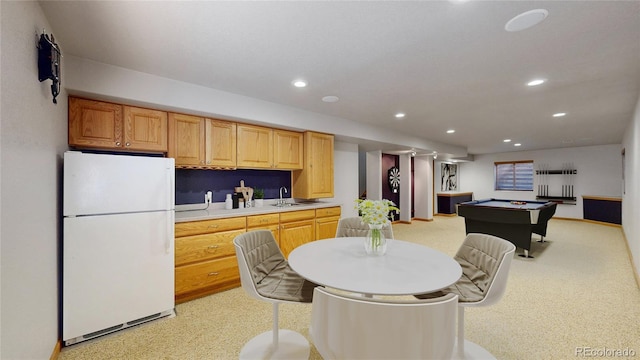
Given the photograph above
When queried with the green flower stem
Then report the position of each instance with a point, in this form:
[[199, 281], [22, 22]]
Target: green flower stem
[[376, 238]]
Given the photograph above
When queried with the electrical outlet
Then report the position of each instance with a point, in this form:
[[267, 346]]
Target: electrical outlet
[[209, 197]]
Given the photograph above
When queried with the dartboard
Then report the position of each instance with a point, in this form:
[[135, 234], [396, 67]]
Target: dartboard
[[394, 179]]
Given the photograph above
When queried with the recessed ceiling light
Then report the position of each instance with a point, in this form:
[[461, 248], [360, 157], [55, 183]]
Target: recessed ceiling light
[[526, 20], [517, 144], [506, 140], [450, 131], [330, 99], [400, 115], [559, 114], [299, 83], [536, 82]]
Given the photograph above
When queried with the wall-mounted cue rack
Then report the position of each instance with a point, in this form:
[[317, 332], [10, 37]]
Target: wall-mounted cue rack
[[563, 184]]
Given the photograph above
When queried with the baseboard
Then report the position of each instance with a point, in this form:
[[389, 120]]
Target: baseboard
[[633, 264], [587, 220], [421, 219], [602, 223], [56, 350], [449, 215]]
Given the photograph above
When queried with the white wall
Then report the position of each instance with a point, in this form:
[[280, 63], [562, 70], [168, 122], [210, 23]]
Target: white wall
[[405, 187], [345, 177], [90, 78], [599, 173], [33, 138], [423, 187], [631, 197], [374, 178]]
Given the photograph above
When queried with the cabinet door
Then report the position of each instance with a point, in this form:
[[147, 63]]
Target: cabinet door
[[315, 180], [220, 143], [145, 129], [320, 164], [95, 124], [206, 277], [327, 222], [255, 146], [265, 222], [287, 150], [326, 227], [294, 234], [187, 139], [190, 249]]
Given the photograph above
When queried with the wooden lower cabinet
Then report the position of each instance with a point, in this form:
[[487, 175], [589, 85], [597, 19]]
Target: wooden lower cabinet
[[327, 222], [265, 222], [205, 257], [296, 228], [206, 277]]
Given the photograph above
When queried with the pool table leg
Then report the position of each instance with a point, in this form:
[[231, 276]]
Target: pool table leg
[[526, 254]]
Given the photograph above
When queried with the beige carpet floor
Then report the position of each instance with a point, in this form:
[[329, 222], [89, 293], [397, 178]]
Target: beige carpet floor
[[577, 296]]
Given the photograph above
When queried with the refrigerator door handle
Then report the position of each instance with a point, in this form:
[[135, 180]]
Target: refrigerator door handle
[[172, 188], [170, 233]]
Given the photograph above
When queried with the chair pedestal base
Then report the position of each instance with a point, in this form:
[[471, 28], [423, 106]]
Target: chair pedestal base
[[291, 345], [472, 351]]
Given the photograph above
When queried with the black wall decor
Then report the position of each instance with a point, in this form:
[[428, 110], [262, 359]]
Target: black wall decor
[[394, 179], [49, 63]]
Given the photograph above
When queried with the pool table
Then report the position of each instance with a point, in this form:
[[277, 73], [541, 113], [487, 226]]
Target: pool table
[[513, 220]]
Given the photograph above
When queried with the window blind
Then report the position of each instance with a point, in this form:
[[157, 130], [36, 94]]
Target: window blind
[[517, 175]]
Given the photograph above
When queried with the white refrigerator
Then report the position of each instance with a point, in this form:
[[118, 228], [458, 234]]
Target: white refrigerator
[[118, 243]]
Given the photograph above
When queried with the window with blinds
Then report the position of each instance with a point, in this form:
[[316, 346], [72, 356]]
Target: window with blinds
[[514, 175]]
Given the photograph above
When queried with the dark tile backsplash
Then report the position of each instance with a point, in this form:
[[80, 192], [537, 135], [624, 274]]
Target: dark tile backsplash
[[192, 185]]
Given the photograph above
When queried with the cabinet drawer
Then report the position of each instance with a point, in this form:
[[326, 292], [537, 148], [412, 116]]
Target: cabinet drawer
[[331, 211], [207, 274], [297, 215], [261, 220], [195, 248], [209, 226]]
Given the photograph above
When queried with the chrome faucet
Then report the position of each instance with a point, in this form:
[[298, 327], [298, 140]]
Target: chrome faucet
[[282, 201]]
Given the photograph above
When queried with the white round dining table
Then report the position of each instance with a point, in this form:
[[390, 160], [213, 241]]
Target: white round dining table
[[405, 269]]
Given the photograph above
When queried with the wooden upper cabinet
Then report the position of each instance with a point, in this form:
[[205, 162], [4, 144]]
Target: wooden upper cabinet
[[288, 150], [220, 143], [262, 147], [98, 124], [255, 146], [315, 180], [187, 139], [203, 143], [95, 124], [145, 129]]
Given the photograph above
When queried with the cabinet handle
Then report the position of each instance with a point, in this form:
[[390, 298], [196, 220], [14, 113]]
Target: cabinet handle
[[212, 274], [208, 162], [215, 226], [202, 162], [212, 247], [117, 143], [127, 144]]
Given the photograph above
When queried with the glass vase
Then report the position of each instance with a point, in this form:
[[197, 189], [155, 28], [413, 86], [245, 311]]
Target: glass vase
[[375, 243]]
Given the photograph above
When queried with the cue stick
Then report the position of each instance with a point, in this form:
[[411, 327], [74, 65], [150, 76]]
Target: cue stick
[[564, 180]]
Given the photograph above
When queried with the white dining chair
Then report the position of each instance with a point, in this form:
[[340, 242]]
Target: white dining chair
[[485, 261], [265, 275], [350, 327], [354, 227]]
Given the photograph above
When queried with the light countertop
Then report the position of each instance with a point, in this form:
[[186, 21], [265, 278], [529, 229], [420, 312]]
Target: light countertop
[[195, 212]]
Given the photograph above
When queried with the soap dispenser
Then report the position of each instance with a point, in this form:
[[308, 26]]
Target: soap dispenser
[[228, 203]]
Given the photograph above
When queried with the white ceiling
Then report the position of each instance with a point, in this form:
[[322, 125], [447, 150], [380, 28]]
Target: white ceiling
[[446, 64]]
